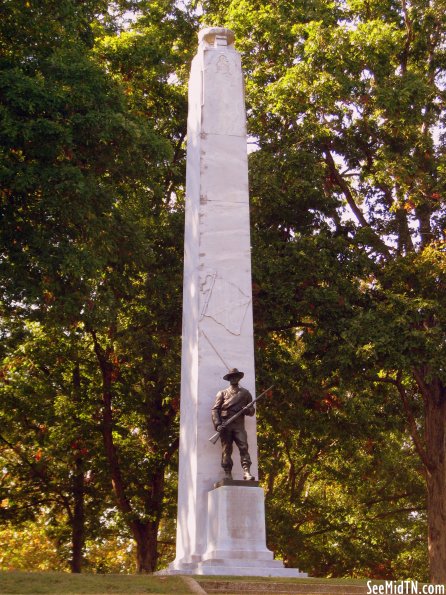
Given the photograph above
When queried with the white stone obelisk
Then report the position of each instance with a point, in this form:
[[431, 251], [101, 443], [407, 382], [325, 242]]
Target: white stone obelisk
[[217, 315]]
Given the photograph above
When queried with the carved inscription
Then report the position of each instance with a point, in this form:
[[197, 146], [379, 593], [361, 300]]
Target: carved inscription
[[239, 518]]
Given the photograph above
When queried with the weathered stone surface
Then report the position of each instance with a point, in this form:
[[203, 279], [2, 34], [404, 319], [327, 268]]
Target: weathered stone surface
[[236, 525], [219, 531], [217, 298], [236, 539]]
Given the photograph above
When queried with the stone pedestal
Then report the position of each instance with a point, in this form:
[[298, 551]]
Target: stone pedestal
[[236, 538]]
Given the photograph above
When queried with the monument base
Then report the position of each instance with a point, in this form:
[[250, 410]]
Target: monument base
[[236, 537], [224, 570]]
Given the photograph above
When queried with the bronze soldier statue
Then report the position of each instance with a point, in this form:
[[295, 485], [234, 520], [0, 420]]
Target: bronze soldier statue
[[228, 402]]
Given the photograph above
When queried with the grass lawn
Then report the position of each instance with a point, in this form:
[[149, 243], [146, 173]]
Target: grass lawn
[[64, 583], [344, 582]]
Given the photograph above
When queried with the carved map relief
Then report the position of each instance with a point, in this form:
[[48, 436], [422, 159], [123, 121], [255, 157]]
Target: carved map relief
[[224, 302]]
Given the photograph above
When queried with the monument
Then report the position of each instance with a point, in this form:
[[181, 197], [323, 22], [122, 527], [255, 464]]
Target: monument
[[221, 521]]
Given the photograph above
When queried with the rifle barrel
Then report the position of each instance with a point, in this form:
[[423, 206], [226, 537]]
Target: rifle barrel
[[216, 436]]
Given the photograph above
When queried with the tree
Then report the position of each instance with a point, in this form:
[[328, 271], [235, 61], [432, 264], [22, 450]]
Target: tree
[[51, 460], [346, 101], [92, 156], [343, 491], [134, 321]]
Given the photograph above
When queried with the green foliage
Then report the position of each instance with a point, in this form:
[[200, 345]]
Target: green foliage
[[346, 106], [27, 547], [92, 159], [345, 101], [48, 421]]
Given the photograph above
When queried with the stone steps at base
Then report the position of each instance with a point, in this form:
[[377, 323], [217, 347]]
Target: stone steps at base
[[225, 587]]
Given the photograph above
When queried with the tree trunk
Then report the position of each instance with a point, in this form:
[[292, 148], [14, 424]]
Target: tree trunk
[[145, 534], [107, 427], [78, 522], [435, 433], [78, 518], [146, 537]]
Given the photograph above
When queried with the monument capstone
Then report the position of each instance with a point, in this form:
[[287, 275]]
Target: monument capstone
[[220, 523]]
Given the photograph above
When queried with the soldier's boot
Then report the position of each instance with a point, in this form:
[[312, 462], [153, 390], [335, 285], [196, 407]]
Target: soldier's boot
[[228, 473], [247, 473]]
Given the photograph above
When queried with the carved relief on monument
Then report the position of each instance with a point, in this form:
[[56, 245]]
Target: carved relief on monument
[[224, 302], [223, 66], [223, 94]]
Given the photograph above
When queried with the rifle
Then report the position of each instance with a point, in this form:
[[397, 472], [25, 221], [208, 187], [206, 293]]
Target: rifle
[[226, 423]]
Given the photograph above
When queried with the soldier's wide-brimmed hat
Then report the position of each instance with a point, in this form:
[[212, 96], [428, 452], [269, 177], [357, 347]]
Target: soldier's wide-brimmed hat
[[232, 373]]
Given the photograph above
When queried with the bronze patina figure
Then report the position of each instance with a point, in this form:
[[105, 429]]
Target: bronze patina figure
[[227, 403]]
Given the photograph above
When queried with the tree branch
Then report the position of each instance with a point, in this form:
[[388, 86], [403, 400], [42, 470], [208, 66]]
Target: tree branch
[[334, 172], [391, 498], [285, 327], [413, 426], [409, 37], [425, 393], [168, 454], [117, 480], [397, 511]]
